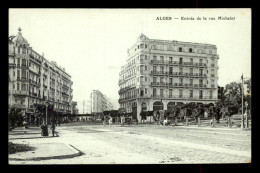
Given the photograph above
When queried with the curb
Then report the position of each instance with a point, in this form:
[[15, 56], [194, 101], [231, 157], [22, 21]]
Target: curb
[[77, 153]]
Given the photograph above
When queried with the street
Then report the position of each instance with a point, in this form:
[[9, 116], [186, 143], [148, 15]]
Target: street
[[147, 144]]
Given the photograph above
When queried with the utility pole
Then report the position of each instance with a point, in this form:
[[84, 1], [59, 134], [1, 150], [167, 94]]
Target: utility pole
[[242, 88]]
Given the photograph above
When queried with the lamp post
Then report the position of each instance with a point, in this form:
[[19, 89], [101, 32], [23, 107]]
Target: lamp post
[[246, 104], [46, 104]]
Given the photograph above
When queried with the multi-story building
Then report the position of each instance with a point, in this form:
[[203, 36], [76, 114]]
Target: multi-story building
[[99, 102], [163, 73], [33, 79]]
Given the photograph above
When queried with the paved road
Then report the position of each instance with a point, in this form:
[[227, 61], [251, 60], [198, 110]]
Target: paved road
[[149, 144]]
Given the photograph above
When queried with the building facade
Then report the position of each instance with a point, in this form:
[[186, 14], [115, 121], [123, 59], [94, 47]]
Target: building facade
[[162, 73], [99, 102], [33, 79]]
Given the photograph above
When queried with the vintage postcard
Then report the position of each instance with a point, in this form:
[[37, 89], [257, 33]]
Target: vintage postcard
[[129, 86]]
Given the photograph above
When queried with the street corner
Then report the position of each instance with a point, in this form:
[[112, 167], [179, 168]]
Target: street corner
[[47, 151]]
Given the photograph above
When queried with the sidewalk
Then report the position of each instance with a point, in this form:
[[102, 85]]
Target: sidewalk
[[46, 151], [43, 150]]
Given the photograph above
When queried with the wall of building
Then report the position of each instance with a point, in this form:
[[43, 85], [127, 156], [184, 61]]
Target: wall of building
[[33, 79], [148, 68]]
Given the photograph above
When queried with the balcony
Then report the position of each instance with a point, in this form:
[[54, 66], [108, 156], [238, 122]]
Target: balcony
[[158, 72], [23, 66], [19, 92], [23, 79], [65, 102], [19, 105], [158, 61], [188, 97], [158, 83]]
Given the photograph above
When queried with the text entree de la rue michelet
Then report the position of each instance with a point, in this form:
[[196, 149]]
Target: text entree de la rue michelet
[[197, 18]]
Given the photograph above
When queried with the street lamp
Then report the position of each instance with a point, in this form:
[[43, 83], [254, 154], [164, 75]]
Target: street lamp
[[246, 104], [46, 104]]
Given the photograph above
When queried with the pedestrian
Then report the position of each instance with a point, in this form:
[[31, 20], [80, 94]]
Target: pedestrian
[[53, 128], [44, 131], [110, 121]]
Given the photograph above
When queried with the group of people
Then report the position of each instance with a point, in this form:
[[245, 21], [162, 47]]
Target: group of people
[[107, 119], [44, 129]]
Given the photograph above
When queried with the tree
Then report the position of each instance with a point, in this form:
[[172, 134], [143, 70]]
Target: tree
[[220, 93], [15, 117]]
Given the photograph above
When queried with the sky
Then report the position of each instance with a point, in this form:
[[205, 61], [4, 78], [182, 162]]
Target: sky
[[91, 44]]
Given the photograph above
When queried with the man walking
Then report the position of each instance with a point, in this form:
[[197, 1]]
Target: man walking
[[53, 128]]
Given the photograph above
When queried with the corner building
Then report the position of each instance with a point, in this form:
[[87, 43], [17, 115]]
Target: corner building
[[162, 73], [33, 79]]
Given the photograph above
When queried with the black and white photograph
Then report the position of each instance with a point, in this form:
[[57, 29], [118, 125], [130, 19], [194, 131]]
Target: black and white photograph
[[129, 86]]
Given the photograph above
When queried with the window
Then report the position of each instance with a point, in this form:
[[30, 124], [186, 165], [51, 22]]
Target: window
[[23, 74], [23, 62], [201, 60], [180, 49], [170, 70], [161, 69], [161, 57], [181, 81], [191, 70], [145, 90], [191, 60], [201, 71], [14, 73], [13, 86], [180, 60], [23, 87], [201, 82], [161, 79], [18, 74], [210, 94], [170, 92], [145, 79], [191, 93], [201, 94], [191, 81], [170, 59], [154, 79], [154, 68], [212, 71], [180, 92], [145, 67], [154, 58], [19, 49], [18, 86], [154, 92], [145, 57], [181, 70], [161, 92], [24, 50], [145, 46], [170, 81], [190, 49], [18, 61]]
